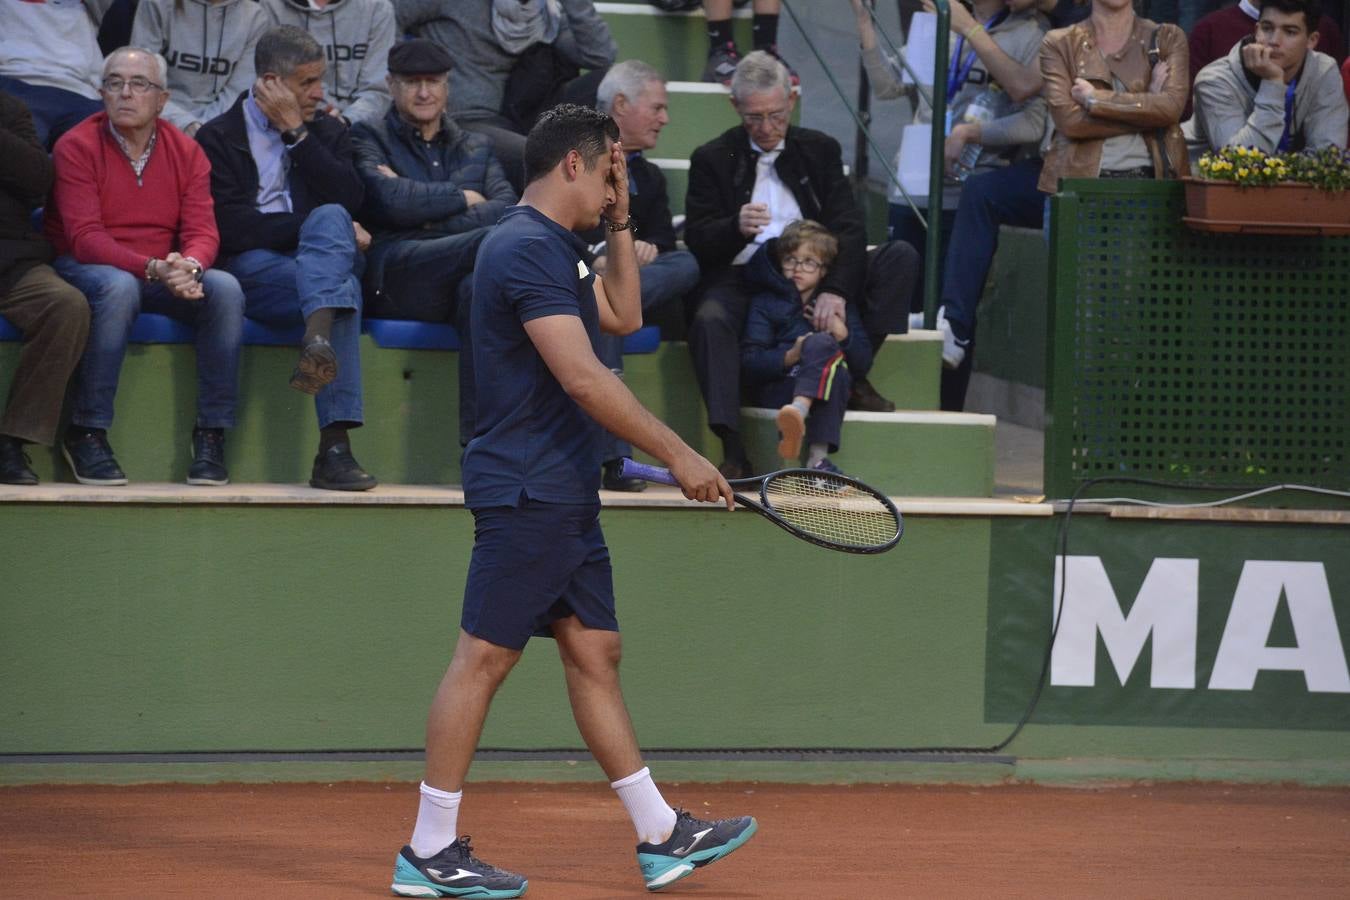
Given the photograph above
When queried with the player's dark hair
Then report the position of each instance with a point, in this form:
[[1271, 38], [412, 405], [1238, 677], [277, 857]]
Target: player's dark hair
[[564, 128], [1311, 9], [283, 49], [808, 233]]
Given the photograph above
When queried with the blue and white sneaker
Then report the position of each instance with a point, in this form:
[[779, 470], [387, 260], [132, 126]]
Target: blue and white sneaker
[[453, 872], [692, 844]]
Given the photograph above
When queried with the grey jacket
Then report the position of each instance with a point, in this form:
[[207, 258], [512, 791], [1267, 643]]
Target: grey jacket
[[209, 48], [356, 36], [1019, 130], [464, 27], [1231, 110]]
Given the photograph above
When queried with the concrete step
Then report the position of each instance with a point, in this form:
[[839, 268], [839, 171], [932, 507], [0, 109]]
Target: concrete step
[[411, 399]]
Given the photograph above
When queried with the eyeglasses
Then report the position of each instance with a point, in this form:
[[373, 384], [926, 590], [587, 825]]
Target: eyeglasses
[[429, 82], [139, 85], [755, 120], [809, 266]]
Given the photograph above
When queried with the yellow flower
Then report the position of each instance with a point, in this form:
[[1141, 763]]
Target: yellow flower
[[1242, 172]]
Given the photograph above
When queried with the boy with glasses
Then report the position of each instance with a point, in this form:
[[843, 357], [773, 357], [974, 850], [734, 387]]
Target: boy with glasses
[[786, 359]]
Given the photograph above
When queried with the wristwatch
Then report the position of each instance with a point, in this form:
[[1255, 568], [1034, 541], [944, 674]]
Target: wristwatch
[[291, 136], [625, 225]]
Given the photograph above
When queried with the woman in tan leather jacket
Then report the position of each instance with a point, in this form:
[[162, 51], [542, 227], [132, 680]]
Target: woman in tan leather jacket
[[1109, 103]]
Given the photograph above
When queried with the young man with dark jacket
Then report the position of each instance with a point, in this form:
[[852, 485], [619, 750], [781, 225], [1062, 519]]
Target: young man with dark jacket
[[286, 187], [745, 187]]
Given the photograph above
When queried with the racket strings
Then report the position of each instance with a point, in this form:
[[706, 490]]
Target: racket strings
[[832, 508]]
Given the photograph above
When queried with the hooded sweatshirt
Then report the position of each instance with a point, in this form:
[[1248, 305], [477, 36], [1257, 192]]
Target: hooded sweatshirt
[[53, 44], [209, 48], [482, 64], [356, 36], [1233, 108]]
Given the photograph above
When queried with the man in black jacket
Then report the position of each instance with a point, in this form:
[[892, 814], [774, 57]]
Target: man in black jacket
[[286, 187], [634, 95], [745, 186], [53, 316]]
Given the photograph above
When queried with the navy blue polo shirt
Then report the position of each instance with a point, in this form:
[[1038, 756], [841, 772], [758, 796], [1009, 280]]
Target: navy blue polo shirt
[[530, 438]]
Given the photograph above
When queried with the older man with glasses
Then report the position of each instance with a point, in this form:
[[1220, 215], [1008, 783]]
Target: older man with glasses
[[745, 187], [131, 219]]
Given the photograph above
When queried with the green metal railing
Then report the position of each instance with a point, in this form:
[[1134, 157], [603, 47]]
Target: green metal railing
[[1189, 358], [936, 99]]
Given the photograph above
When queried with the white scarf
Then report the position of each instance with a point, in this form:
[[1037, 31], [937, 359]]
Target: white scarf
[[518, 24]]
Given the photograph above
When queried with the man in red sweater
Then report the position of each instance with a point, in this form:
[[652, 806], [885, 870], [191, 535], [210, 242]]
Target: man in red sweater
[[132, 220]]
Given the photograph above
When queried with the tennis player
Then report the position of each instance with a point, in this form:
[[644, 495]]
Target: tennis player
[[532, 479]]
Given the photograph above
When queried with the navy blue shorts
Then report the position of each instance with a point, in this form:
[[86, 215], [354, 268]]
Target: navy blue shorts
[[534, 564]]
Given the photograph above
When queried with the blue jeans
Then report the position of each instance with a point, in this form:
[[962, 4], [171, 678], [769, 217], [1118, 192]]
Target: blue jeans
[[665, 280], [115, 299], [322, 272], [55, 111], [1006, 196]]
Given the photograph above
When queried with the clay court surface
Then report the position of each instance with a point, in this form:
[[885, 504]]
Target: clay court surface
[[573, 841]]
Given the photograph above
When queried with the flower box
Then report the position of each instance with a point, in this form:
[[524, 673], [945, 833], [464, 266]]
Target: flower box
[[1284, 208]]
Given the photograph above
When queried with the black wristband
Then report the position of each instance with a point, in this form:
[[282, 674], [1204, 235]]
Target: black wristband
[[291, 136]]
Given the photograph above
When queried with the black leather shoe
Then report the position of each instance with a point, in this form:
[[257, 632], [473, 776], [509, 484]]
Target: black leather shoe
[[14, 463], [91, 459], [732, 469], [208, 457], [865, 398], [316, 367], [337, 470], [613, 480]]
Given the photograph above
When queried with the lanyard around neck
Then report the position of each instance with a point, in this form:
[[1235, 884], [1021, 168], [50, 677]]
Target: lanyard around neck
[[959, 68], [1288, 136]]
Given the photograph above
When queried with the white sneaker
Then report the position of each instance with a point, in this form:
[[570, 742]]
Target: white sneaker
[[953, 351]]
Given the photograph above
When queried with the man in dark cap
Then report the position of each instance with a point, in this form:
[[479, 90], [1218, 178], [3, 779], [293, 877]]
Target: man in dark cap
[[432, 190]]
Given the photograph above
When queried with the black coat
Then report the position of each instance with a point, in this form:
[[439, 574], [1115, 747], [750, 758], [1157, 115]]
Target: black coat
[[25, 178], [323, 170], [722, 180]]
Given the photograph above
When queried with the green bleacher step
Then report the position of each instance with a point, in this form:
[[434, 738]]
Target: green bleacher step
[[675, 43], [924, 454], [907, 370], [411, 400]]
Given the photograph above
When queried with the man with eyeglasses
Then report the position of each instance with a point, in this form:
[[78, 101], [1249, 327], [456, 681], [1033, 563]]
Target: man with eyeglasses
[[285, 184], [131, 221], [745, 187]]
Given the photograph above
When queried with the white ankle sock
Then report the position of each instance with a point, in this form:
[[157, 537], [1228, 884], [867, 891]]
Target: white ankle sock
[[437, 818], [653, 819], [815, 453], [803, 406]]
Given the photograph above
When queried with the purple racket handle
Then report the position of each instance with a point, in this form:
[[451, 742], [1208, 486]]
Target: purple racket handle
[[631, 469]]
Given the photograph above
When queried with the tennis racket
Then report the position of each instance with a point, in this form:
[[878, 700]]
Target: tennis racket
[[829, 510]]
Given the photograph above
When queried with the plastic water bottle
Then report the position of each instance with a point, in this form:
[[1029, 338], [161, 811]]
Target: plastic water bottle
[[985, 108]]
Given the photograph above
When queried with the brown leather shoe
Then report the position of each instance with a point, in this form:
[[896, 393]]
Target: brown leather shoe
[[865, 398], [316, 367]]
